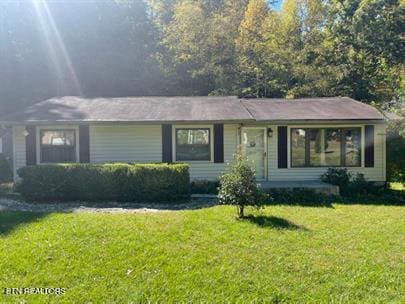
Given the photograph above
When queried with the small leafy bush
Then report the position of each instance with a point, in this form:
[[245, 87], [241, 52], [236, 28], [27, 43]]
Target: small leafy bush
[[204, 187], [349, 184], [239, 187], [106, 182], [6, 174]]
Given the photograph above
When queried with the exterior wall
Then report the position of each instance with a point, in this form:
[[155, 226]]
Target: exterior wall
[[18, 149], [143, 143], [210, 170], [125, 143], [377, 173]]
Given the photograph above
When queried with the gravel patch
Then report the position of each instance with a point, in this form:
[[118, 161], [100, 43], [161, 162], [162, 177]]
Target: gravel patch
[[105, 207]]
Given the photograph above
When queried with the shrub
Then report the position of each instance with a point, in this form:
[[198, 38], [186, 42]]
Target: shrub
[[6, 174], [349, 184], [204, 187], [239, 187], [395, 154], [305, 197], [107, 182]]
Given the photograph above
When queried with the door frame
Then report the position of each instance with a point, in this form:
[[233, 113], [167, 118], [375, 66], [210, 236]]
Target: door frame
[[266, 158]]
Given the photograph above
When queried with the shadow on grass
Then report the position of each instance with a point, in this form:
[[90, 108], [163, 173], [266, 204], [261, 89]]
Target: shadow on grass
[[273, 222], [10, 220]]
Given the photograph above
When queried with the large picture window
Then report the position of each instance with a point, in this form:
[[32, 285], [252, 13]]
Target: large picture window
[[326, 147], [58, 146], [193, 145]]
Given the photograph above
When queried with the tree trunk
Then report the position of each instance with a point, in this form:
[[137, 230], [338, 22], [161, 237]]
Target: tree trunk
[[240, 211]]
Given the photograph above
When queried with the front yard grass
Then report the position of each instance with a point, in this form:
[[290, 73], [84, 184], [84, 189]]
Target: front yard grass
[[337, 254]]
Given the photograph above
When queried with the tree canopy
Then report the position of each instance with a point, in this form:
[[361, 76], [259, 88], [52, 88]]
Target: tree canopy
[[201, 47]]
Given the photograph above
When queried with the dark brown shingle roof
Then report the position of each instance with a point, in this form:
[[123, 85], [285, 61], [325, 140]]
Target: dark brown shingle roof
[[191, 109]]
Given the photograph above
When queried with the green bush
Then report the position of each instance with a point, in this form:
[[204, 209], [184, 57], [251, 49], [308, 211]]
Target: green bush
[[305, 197], [395, 150], [239, 187], [204, 187], [6, 174], [349, 184], [106, 182]]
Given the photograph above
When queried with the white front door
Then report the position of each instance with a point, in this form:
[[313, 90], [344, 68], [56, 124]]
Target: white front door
[[254, 146]]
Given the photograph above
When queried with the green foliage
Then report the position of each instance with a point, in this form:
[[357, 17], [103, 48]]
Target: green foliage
[[238, 187], [5, 171], [395, 149], [107, 182], [204, 187], [202, 47], [349, 184], [303, 197]]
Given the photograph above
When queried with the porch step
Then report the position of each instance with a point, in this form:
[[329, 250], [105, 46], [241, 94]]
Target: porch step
[[316, 185]]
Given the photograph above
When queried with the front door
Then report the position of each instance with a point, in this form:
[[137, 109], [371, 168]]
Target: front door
[[254, 146]]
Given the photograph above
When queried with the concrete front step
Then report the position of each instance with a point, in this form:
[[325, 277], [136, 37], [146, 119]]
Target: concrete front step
[[316, 185]]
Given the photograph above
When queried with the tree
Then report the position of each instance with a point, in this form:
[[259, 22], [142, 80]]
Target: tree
[[364, 39], [198, 50], [247, 44], [53, 48], [239, 187]]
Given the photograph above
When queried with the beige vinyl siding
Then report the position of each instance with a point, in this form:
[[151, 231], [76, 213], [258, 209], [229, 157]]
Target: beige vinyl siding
[[143, 143], [377, 173], [125, 143], [19, 156]]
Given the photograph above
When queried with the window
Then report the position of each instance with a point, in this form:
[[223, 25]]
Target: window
[[352, 149], [193, 145], [326, 147], [298, 147], [58, 146]]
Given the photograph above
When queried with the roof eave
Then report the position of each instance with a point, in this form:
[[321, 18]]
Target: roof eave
[[322, 121]]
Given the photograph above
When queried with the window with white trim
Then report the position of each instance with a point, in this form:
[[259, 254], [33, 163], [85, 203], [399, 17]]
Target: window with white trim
[[193, 144], [58, 146], [325, 147]]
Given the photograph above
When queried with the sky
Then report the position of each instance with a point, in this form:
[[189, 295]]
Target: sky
[[277, 4]]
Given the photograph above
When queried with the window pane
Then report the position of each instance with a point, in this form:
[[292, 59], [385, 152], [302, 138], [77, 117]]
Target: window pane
[[58, 138], [55, 154], [353, 146], [298, 147], [324, 147], [193, 144]]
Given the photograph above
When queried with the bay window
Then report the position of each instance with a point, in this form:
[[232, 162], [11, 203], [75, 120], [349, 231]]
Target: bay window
[[326, 147]]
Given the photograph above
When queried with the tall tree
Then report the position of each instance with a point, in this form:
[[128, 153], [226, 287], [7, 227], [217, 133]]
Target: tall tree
[[247, 43], [199, 46], [366, 45]]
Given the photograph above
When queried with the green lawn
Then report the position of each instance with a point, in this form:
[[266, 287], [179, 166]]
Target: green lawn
[[397, 186], [341, 254]]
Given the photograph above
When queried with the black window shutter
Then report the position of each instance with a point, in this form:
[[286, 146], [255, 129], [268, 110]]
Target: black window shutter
[[84, 144], [282, 146], [31, 145], [218, 143], [167, 152], [369, 149]]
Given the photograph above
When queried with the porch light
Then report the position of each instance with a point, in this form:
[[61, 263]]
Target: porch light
[[269, 132], [26, 133]]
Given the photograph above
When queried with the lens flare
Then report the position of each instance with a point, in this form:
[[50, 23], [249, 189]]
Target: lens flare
[[68, 82]]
